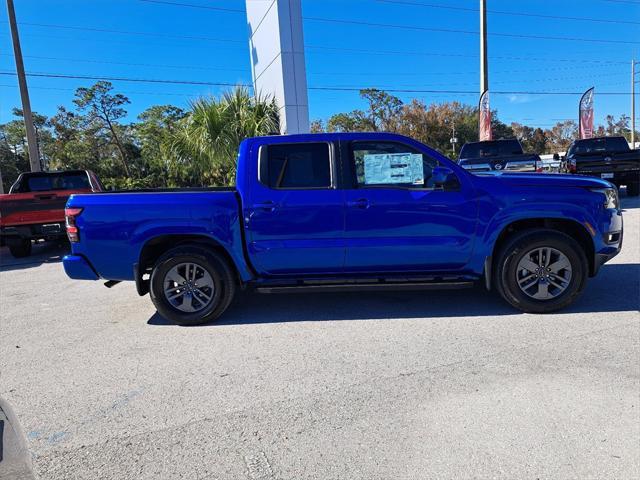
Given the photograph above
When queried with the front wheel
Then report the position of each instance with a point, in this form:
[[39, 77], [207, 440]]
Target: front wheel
[[191, 285], [541, 271]]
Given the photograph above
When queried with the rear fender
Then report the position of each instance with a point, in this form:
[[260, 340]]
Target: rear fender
[[228, 239]]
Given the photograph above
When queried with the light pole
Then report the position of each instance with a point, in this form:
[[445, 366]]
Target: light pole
[[32, 141], [484, 65], [633, 103]]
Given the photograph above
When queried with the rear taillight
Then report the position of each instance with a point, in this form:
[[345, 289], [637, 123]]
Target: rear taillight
[[71, 214], [571, 165]]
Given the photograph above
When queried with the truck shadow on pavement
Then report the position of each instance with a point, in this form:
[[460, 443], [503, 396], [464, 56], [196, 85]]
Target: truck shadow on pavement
[[614, 289], [41, 253]]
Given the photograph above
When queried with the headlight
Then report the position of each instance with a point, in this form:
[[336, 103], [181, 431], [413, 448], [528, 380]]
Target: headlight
[[610, 197]]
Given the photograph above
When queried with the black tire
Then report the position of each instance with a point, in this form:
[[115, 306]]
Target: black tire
[[217, 267], [20, 248], [633, 189], [506, 269]]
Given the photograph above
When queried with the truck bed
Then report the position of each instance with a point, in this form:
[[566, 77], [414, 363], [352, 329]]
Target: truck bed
[[119, 224]]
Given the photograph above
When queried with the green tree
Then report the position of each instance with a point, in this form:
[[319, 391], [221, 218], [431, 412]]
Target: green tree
[[561, 135], [154, 132], [381, 115], [103, 110], [205, 144]]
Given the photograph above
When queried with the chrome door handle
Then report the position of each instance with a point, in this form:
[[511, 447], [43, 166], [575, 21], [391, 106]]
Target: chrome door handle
[[360, 203]]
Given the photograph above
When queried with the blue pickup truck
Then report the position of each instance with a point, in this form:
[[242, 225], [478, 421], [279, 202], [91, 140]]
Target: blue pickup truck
[[348, 211]]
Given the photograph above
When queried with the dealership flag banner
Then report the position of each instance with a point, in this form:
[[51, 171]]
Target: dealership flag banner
[[586, 114], [485, 117]]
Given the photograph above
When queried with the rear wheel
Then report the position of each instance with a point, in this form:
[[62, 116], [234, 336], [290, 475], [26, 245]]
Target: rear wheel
[[541, 271], [633, 189], [191, 285], [20, 248]]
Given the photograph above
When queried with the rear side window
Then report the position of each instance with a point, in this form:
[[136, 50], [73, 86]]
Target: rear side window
[[299, 165]]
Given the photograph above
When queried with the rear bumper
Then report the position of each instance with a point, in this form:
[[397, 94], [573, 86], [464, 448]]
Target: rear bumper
[[78, 268], [45, 231]]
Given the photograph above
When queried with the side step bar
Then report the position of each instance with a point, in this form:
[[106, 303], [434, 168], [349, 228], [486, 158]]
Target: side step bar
[[363, 287]]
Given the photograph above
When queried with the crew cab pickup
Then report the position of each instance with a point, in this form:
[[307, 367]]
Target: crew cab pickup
[[348, 211], [498, 155], [609, 158], [34, 207]]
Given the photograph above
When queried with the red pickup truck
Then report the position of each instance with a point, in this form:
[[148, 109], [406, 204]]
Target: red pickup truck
[[34, 207]]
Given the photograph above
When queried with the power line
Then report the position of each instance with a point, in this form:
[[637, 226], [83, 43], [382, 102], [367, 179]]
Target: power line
[[128, 92], [468, 32], [460, 55], [501, 12], [407, 27], [336, 50], [336, 73], [462, 92], [127, 79], [192, 5], [130, 64], [320, 88], [128, 32]]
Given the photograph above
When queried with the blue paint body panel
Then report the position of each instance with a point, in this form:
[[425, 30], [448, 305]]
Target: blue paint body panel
[[314, 233], [78, 268]]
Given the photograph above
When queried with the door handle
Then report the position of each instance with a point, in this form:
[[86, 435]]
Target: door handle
[[267, 206], [360, 203]]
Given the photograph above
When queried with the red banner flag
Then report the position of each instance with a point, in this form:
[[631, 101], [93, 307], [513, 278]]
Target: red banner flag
[[485, 117], [585, 114]]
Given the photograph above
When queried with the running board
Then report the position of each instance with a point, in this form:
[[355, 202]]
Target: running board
[[363, 287]]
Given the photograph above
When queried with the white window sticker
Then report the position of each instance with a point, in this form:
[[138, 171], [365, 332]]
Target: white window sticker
[[390, 168]]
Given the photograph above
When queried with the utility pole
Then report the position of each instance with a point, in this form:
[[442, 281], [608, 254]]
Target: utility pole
[[484, 66], [32, 140], [633, 103]]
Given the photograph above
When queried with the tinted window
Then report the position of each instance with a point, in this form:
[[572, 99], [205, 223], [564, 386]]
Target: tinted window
[[617, 144], [302, 165], [390, 164], [501, 148], [54, 181], [585, 147]]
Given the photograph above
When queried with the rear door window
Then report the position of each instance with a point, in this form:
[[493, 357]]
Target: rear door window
[[296, 166]]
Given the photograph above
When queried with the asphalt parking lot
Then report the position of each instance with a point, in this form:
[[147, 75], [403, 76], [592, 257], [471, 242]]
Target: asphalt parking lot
[[408, 385]]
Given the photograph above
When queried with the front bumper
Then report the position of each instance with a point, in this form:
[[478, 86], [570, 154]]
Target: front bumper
[[619, 177], [78, 268]]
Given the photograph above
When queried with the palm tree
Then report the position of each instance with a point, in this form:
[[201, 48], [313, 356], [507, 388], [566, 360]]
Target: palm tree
[[207, 140]]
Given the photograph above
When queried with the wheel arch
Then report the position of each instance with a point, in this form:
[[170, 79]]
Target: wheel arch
[[156, 246], [572, 228]]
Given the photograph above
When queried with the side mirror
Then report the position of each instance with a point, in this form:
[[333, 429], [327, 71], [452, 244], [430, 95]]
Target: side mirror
[[443, 178]]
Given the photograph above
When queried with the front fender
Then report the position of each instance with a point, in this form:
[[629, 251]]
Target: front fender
[[500, 221]]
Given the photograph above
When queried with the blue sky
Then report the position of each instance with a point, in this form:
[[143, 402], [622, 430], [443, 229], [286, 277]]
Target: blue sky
[[66, 37]]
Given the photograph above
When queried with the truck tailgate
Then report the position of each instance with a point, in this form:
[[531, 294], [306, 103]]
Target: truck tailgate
[[31, 208]]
